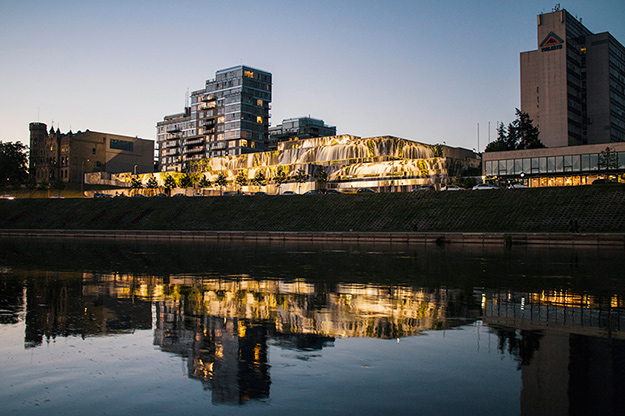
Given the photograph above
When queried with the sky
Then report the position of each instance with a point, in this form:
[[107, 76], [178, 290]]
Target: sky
[[428, 71]]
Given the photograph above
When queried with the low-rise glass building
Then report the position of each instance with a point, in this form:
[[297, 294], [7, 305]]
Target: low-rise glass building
[[557, 166]]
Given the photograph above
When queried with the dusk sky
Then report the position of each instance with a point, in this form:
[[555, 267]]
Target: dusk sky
[[425, 71]]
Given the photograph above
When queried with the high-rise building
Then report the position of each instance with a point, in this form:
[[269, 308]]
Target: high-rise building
[[229, 116], [300, 128], [573, 85]]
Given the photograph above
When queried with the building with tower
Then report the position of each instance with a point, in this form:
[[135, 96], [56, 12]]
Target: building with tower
[[69, 156]]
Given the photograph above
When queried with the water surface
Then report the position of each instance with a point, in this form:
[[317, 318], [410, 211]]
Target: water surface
[[257, 328]]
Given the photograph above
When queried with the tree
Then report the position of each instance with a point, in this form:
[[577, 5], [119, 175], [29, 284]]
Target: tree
[[241, 179], [204, 182], [221, 181], [135, 184], [169, 183], [185, 181], [280, 177], [520, 134], [321, 177], [58, 184], [152, 183], [13, 164], [31, 185], [44, 185], [300, 176], [259, 179], [608, 160]]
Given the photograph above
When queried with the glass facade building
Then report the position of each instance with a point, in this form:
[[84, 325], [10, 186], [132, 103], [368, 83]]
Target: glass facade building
[[229, 116]]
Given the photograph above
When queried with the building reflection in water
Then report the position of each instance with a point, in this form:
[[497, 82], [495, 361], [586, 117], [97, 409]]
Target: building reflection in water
[[569, 343]]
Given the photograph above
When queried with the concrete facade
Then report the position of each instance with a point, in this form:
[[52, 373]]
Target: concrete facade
[[572, 86]]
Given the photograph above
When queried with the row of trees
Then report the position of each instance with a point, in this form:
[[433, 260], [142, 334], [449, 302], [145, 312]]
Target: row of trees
[[187, 180]]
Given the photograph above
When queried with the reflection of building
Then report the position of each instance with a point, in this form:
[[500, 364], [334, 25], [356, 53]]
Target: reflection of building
[[572, 86], [228, 355], [349, 161], [230, 116], [570, 349], [299, 129], [68, 156], [65, 306]]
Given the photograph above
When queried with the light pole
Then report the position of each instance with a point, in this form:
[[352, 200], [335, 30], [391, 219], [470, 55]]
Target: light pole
[[82, 178]]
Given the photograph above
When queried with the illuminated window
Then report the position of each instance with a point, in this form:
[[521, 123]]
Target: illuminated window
[[259, 119], [259, 103], [243, 143], [249, 74]]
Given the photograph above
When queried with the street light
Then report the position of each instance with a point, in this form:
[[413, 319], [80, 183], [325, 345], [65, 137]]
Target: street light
[[82, 178]]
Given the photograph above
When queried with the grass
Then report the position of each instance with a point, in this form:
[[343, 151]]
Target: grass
[[597, 209]]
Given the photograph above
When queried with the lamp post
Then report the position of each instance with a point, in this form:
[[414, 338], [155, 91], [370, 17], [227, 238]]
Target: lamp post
[[82, 178]]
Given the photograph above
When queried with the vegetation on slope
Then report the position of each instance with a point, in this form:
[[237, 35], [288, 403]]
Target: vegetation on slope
[[597, 209]]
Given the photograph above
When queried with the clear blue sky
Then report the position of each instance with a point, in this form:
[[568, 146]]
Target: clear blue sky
[[426, 71]]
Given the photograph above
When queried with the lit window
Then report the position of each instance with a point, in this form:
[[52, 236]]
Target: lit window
[[249, 74], [259, 119], [259, 103]]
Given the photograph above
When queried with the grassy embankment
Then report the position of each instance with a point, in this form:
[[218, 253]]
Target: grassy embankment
[[597, 208]]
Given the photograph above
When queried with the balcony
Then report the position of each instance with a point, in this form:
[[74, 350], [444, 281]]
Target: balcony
[[174, 129], [195, 149]]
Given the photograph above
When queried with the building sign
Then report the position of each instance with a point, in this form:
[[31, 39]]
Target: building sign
[[551, 42], [122, 145]]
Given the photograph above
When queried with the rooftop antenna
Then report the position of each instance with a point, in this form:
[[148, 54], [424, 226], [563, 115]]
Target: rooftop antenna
[[186, 98], [556, 7], [478, 137], [489, 132]]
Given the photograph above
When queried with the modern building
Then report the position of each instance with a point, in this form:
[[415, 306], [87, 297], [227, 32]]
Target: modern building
[[229, 116], [70, 155], [557, 166], [573, 85], [350, 163], [299, 129]]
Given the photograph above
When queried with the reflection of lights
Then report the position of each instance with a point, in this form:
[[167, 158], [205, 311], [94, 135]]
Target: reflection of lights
[[522, 304], [483, 300]]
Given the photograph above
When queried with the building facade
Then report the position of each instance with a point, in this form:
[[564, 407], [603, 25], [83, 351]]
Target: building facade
[[560, 166], [69, 156], [229, 116], [573, 85], [382, 163], [299, 129]]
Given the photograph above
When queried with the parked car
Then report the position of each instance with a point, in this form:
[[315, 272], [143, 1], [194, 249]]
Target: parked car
[[289, 193], [453, 188], [365, 191], [7, 197], [161, 195], [311, 192], [179, 195], [333, 191], [516, 186], [602, 181], [483, 186], [57, 197], [260, 193], [139, 196]]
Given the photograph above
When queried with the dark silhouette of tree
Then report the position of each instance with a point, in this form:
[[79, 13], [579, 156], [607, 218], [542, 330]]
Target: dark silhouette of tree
[[608, 160], [221, 181], [135, 184], [152, 183], [300, 176], [204, 183], [520, 134], [185, 181], [169, 183], [259, 179], [241, 179], [280, 177], [321, 177], [13, 164]]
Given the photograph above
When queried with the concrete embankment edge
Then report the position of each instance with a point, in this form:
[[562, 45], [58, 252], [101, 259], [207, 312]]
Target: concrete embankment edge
[[616, 240]]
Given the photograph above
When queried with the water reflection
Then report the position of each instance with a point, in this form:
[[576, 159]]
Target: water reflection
[[222, 307]]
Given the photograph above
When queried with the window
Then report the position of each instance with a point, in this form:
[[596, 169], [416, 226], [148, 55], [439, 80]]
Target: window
[[249, 74], [535, 165], [551, 164], [259, 119]]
